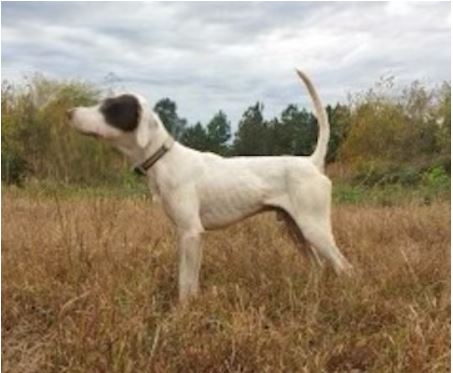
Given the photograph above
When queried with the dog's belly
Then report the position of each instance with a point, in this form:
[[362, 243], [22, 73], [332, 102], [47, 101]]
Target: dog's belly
[[223, 202], [226, 211]]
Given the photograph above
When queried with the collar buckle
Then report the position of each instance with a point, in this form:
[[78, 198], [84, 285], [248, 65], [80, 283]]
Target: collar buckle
[[141, 168]]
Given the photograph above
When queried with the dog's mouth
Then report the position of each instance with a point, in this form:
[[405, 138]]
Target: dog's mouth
[[74, 123], [87, 133]]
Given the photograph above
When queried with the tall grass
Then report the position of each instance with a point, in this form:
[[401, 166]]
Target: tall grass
[[89, 284]]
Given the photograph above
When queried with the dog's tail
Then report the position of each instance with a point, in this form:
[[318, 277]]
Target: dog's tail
[[319, 155]]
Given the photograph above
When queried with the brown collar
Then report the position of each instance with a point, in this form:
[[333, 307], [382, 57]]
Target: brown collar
[[141, 168]]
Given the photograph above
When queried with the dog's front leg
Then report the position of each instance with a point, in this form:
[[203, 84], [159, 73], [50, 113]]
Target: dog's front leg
[[189, 263], [182, 206]]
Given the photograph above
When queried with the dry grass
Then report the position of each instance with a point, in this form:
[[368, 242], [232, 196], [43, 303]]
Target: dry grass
[[89, 284]]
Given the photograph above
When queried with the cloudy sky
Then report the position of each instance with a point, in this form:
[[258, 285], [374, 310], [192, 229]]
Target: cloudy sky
[[217, 55]]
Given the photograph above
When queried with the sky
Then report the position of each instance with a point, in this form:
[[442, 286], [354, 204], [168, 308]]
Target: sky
[[209, 56]]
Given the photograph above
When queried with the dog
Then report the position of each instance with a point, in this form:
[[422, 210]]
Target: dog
[[202, 191]]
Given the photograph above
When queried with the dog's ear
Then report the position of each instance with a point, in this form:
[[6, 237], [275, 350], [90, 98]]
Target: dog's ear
[[144, 129], [143, 134]]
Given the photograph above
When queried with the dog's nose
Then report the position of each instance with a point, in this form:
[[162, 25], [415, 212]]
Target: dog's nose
[[69, 114]]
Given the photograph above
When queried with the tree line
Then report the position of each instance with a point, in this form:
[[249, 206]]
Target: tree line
[[293, 133], [377, 130]]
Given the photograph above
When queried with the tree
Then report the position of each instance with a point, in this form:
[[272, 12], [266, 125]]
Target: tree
[[252, 135], [167, 111], [218, 132], [296, 131], [196, 137], [339, 119], [300, 129], [281, 139]]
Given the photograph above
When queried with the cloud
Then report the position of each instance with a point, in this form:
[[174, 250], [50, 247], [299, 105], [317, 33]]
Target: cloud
[[210, 56]]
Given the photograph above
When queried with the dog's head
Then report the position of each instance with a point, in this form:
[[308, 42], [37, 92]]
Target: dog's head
[[126, 121]]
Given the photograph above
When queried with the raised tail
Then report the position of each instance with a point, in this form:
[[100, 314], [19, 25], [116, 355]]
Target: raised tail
[[319, 155]]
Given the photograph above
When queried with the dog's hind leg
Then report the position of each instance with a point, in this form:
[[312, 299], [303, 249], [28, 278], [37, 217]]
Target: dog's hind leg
[[321, 239], [311, 212], [298, 238]]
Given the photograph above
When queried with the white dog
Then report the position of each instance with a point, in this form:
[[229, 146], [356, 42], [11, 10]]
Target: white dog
[[203, 191]]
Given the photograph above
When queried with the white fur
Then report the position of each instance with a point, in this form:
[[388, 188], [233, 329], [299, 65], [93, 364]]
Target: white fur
[[203, 191]]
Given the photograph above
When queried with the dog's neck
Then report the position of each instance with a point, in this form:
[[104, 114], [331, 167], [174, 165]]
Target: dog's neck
[[143, 167], [137, 154], [159, 139]]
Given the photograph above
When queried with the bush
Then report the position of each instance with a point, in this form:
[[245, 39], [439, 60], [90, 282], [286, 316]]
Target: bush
[[14, 168], [37, 142], [408, 128], [437, 178], [383, 173]]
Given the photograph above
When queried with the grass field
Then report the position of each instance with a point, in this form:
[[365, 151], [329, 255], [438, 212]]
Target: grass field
[[89, 284]]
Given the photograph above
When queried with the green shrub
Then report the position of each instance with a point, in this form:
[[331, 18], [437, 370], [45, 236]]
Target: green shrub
[[37, 141], [437, 178], [14, 168], [380, 173], [399, 128]]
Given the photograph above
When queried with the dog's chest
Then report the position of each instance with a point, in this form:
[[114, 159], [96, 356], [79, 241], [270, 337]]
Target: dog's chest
[[154, 188]]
